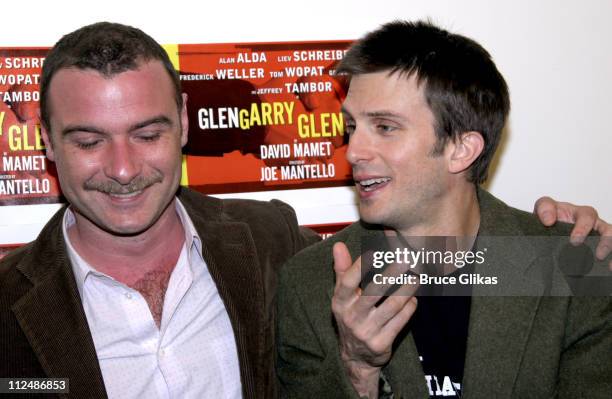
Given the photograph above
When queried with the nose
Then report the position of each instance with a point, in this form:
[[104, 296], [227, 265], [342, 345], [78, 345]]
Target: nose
[[360, 147], [122, 163]]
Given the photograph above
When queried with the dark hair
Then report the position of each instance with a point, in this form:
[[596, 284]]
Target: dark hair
[[463, 88], [107, 48]]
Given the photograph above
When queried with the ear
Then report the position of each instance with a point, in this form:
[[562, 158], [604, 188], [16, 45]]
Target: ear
[[464, 151], [184, 121], [44, 133]]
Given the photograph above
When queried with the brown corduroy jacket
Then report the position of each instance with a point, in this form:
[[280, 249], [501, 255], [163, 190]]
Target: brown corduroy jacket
[[43, 328]]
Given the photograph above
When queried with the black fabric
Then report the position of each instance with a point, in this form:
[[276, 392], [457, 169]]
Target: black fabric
[[440, 330]]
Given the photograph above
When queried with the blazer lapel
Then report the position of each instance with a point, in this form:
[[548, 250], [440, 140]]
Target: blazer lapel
[[230, 253], [404, 371], [52, 317], [498, 332], [501, 315]]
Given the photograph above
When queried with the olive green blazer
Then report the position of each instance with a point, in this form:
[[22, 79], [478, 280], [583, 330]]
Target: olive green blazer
[[532, 346]]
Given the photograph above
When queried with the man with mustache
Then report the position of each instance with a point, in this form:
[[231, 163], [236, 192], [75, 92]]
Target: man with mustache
[[139, 288], [424, 113]]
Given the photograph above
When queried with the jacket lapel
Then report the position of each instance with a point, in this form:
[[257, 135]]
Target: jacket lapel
[[404, 371], [231, 256], [501, 315], [52, 317]]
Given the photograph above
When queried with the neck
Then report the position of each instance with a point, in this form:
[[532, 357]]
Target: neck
[[129, 258], [455, 214]]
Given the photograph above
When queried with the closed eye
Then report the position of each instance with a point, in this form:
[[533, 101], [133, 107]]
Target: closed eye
[[149, 137], [86, 145]]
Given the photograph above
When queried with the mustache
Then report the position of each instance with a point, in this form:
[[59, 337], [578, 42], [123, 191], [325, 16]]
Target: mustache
[[113, 187]]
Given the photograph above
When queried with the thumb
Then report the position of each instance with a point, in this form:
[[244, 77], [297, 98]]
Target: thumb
[[342, 258]]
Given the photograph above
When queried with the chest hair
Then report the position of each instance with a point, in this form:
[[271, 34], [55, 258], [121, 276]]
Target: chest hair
[[152, 286]]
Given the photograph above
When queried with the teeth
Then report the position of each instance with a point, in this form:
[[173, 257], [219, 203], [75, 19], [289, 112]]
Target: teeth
[[378, 180], [372, 184]]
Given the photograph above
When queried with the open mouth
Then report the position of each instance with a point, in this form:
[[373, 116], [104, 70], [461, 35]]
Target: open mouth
[[372, 184]]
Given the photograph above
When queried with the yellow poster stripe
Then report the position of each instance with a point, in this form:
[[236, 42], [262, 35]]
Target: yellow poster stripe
[[184, 176], [172, 50]]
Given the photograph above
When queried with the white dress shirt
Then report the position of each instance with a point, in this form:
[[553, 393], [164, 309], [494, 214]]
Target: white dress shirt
[[192, 355]]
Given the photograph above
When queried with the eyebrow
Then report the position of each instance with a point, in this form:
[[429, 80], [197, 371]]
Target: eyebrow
[[376, 114], [160, 119]]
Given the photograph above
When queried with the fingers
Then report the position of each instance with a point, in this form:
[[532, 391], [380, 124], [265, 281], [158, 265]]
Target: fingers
[[604, 247], [368, 338], [550, 211], [546, 209], [348, 274], [342, 258], [396, 323], [585, 218], [347, 292], [392, 313], [366, 331]]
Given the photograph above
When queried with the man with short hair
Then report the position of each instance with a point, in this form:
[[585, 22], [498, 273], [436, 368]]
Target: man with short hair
[[424, 114], [139, 288], [135, 289]]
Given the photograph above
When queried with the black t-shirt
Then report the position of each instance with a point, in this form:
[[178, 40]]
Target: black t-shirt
[[440, 330]]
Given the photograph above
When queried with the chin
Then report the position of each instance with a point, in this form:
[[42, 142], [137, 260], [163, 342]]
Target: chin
[[370, 217], [126, 228]]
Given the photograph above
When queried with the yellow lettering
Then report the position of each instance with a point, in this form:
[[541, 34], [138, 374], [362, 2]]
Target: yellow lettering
[[278, 113], [303, 130], [337, 123], [14, 144], [255, 115], [39, 143], [26, 144], [19, 140], [266, 113], [325, 125], [244, 119], [313, 130], [289, 108]]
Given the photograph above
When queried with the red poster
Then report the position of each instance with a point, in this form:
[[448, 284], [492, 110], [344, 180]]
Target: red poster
[[264, 116], [25, 175]]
